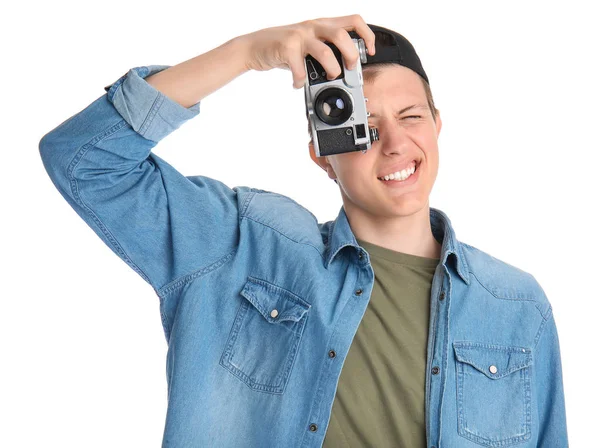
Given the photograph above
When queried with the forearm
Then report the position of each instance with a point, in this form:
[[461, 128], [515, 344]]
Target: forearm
[[190, 81]]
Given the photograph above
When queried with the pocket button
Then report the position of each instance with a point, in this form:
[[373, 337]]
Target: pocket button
[[265, 335], [493, 369]]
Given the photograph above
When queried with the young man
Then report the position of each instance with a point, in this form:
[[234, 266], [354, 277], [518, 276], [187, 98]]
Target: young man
[[441, 344]]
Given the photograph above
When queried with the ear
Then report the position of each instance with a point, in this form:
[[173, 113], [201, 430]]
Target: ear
[[322, 162], [438, 123]]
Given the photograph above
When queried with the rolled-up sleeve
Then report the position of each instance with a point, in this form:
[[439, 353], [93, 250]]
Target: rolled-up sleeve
[[148, 111], [160, 222]]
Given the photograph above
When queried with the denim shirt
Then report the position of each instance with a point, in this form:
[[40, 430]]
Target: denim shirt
[[260, 302]]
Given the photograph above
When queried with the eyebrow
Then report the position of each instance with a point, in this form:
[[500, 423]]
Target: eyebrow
[[417, 106]]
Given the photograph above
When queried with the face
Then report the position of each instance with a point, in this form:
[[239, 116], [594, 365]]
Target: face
[[403, 137]]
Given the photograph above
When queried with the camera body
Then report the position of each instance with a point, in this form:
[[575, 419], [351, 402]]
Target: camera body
[[336, 109]]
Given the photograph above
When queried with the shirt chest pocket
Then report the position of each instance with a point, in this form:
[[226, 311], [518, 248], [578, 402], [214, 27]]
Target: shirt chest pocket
[[265, 336], [493, 393]]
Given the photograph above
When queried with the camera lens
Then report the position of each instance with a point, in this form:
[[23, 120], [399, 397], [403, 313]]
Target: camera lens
[[333, 106]]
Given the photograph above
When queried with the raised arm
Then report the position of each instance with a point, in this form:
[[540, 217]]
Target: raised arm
[[161, 223], [170, 228]]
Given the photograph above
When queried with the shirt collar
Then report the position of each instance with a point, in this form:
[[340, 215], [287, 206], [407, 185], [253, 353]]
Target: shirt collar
[[341, 235]]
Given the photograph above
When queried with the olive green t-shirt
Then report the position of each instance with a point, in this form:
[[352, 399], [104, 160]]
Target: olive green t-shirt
[[380, 397]]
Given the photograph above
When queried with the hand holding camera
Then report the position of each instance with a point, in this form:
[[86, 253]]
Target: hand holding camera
[[325, 57], [286, 46]]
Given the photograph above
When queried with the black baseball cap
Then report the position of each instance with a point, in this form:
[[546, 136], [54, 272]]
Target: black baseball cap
[[391, 46]]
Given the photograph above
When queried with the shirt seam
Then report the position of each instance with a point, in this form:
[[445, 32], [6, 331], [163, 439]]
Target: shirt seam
[[545, 319], [537, 305], [158, 101], [76, 195], [183, 280], [284, 235]]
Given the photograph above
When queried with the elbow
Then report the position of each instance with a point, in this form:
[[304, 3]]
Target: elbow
[[49, 153], [46, 149], [54, 152]]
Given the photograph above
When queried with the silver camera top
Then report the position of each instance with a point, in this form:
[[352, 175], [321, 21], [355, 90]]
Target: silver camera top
[[336, 108]]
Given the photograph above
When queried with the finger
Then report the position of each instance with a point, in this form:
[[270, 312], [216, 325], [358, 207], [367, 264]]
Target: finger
[[366, 33], [322, 53], [342, 40], [356, 23], [296, 64]]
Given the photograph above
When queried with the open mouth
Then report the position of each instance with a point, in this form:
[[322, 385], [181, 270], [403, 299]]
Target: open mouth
[[399, 179]]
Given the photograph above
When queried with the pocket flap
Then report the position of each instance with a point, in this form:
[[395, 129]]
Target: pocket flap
[[494, 361], [273, 302]]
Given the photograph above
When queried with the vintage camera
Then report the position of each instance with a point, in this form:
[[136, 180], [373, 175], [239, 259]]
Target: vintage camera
[[336, 109]]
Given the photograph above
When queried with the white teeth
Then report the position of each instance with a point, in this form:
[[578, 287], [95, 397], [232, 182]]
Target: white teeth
[[400, 175]]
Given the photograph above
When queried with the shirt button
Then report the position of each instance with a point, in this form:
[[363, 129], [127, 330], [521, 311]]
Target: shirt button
[[493, 369], [360, 255], [442, 295], [332, 353], [274, 313], [358, 292], [435, 370], [313, 427]]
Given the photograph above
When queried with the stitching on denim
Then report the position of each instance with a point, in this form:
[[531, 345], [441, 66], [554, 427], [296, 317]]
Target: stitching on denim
[[299, 306], [75, 190], [445, 341], [329, 251], [526, 299], [152, 113], [464, 357], [281, 196], [187, 278], [183, 280], [246, 204], [287, 198], [545, 319], [527, 381], [282, 377], [521, 299], [284, 235], [548, 313], [537, 305], [463, 258], [113, 88], [464, 430], [500, 374], [279, 290], [507, 348]]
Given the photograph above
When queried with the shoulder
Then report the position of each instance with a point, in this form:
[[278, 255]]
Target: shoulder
[[504, 280], [281, 214]]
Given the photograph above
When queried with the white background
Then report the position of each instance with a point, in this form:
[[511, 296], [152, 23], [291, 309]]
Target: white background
[[82, 348]]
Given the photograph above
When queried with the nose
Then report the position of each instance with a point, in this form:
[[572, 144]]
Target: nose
[[393, 139]]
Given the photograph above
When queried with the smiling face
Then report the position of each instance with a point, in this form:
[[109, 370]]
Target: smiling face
[[406, 134]]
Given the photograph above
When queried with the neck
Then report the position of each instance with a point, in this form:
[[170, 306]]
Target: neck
[[410, 234]]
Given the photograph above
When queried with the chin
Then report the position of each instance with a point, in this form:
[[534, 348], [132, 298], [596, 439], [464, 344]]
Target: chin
[[404, 208]]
